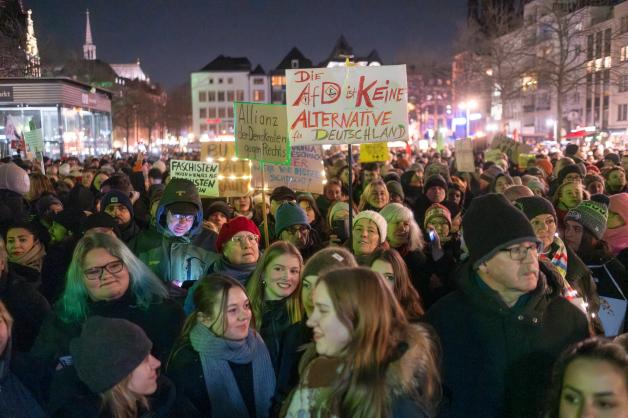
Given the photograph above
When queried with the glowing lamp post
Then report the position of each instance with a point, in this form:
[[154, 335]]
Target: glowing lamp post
[[467, 106]]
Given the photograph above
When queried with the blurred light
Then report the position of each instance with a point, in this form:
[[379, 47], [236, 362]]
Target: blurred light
[[491, 127]]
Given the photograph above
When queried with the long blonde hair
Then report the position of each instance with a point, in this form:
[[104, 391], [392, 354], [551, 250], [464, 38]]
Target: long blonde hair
[[255, 285], [364, 197], [121, 402]]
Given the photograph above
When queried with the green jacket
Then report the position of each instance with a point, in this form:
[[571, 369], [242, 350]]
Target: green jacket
[[170, 257]]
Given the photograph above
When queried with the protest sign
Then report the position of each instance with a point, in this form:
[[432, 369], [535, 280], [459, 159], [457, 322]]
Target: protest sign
[[304, 174], [524, 160], [347, 105], [203, 175], [465, 162], [375, 152], [261, 132], [34, 141], [510, 147], [235, 173]]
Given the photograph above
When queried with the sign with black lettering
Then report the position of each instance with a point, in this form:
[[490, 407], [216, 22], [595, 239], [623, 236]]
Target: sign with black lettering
[[6, 93], [261, 132], [203, 175]]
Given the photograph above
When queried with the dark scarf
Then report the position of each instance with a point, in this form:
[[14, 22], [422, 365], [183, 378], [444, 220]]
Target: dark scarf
[[240, 272], [216, 353]]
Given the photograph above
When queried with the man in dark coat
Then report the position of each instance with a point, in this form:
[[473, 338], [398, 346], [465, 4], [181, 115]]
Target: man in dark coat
[[502, 330]]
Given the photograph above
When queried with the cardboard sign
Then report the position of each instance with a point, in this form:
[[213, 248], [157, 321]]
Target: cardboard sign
[[304, 174], [347, 105], [465, 162], [203, 175], [373, 153], [235, 173], [34, 141], [217, 150], [261, 132], [510, 147], [612, 314], [524, 160]]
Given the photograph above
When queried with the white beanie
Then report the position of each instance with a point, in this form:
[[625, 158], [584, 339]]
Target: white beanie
[[378, 219], [160, 165], [14, 178], [64, 169]]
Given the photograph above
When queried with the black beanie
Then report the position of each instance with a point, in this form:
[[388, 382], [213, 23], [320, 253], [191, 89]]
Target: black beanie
[[568, 169], [533, 206], [491, 224], [571, 149], [435, 180], [107, 351]]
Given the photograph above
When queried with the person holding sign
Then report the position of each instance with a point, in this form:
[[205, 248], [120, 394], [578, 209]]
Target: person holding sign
[[179, 217]]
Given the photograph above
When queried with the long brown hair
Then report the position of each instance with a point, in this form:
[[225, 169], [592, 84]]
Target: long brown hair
[[378, 327], [255, 285], [121, 402], [403, 289]]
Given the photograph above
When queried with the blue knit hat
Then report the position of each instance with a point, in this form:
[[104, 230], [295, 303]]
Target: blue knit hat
[[288, 214]]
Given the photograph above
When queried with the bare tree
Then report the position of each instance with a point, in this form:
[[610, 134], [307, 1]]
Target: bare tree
[[13, 60], [178, 111]]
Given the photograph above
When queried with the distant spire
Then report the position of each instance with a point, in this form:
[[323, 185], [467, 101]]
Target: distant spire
[[32, 52], [89, 49]]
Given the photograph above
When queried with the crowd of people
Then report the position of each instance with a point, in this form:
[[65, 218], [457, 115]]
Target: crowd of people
[[406, 289]]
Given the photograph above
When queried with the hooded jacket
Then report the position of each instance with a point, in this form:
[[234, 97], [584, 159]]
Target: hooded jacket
[[175, 258], [497, 360]]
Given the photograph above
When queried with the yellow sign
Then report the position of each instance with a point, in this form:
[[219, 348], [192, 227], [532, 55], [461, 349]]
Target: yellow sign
[[374, 152], [234, 177], [524, 159]]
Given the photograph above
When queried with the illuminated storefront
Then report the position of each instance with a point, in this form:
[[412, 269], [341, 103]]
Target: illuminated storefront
[[75, 118]]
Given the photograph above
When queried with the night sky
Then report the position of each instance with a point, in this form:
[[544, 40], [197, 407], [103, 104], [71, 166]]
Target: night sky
[[174, 38]]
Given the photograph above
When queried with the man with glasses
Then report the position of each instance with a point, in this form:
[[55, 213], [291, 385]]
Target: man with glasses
[[504, 327], [173, 257], [291, 225]]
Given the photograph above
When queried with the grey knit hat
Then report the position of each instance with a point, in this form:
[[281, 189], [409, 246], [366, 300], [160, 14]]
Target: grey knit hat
[[591, 214], [107, 351]]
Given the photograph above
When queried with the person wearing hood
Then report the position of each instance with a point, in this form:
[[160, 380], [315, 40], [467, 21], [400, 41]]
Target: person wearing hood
[[434, 191], [179, 217], [26, 247], [14, 185], [315, 218], [15, 398], [501, 182], [117, 204], [616, 234], [217, 214], [237, 257], [412, 182]]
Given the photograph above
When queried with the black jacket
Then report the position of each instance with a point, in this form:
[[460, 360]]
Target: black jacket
[[275, 322], [497, 360]]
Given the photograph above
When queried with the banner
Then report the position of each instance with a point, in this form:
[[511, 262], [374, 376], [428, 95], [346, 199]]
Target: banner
[[374, 153], [261, 132], [304, 174], [347, 105], [465, 162], [203, 175], [235, 173]]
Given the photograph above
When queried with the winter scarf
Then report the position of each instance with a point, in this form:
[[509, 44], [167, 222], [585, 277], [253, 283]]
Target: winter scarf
[[216, 353], [617, 238], [557, 255], [33, 258], [240, 272]]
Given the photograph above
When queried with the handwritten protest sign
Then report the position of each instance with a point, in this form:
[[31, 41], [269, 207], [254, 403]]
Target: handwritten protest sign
[[34, 140], [347, 105], [261, 132], [464, 155], [510, 147], [304, 174], [235, 173], [375, 152], [203, 175]]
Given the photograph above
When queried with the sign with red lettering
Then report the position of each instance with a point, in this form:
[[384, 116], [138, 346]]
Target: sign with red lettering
[[347, 105], [304, 174]]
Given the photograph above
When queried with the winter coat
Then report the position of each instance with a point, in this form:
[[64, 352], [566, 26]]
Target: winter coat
[[70, 398], [82, 198], [186, 371], [579, 277], [26, 305], [174, 258], [161, 322], [275, 321], [405, 379], [56, 264], [13, 208], [497, 360]]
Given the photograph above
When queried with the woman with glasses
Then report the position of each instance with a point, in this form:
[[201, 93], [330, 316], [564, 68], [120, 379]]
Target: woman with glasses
[[274, 289], [220, 365], [106, 279], [238, 252]]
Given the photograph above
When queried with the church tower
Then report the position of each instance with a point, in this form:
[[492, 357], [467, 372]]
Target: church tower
[[89, 49]]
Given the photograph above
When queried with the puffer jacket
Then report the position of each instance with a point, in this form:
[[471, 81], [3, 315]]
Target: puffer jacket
[[172, 258]]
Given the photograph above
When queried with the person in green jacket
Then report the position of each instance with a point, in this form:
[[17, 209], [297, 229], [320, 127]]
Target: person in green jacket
[[179, 217]]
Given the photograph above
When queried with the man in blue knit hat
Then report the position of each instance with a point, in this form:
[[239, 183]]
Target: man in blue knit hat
[[291, 225]]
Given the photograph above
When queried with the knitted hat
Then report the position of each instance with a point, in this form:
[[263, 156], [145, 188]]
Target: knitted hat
[[235, 225], [107, 351], [592, 178], [614, 158], [44, 203], [160, 165], [491, 173], [64, 169], [378, 219], [491, 224], [282, 193], [517, 191], [116, 196], [288, 214], [14, 178], [336, 207], [545, 165], [592, 215], [98, 220], [71, 219], [568, 169], [437, 210], [534, 206], [219, 206], [435, 180], [571, 149], [182, 208], [394, 188]]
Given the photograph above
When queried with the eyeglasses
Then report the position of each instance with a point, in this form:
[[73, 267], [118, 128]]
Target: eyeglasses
[[95, 273], [182, 218], [242, 239], [298, 228], [520, 253]]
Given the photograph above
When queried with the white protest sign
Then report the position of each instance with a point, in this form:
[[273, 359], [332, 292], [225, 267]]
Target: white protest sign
[[261, 133], [464, 156], [347, 105], [304, 174], [203, 175], [612, 314], [34, 140]]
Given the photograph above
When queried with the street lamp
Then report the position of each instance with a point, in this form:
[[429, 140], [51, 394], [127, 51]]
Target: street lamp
[[551, 123], [467, 106]]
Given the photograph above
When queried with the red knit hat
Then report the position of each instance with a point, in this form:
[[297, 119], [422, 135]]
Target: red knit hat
[[237, 224], [545, 165]]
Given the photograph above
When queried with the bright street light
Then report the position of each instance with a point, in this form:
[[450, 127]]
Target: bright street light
[[467, 106]]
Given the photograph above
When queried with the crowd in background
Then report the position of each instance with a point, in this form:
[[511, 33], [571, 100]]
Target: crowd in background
[[496, 293]]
